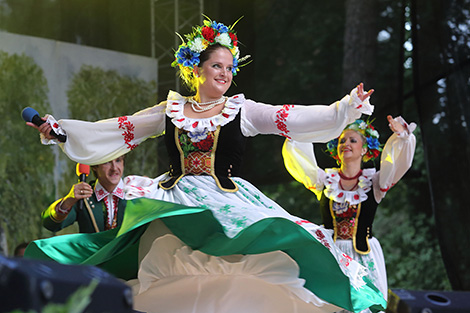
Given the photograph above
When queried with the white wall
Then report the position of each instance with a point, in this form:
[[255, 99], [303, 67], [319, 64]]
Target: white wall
[[60, 60]]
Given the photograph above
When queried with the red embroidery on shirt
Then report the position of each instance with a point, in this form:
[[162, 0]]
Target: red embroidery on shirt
[[180, 120], [346, 260], [119, 192], [319, 234], [128, 133], [225, 115], [347, 257], [195, 124], [281, 118]]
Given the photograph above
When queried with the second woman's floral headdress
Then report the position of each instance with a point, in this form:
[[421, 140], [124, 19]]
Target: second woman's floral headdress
[[372, 140], [210, 33]]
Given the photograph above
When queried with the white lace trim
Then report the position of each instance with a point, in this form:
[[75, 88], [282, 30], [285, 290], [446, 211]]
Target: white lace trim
[[335, 193], [175, 110]]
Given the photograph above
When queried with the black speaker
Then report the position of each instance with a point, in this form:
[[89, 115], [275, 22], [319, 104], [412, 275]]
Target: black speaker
[[27, 284], [408, 301]]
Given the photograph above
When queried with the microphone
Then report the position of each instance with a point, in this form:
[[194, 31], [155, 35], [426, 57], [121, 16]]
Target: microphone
[[31, 115], [82, 172]]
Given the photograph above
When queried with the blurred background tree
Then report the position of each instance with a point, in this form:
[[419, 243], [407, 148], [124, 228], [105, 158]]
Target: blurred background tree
[[25, 171]]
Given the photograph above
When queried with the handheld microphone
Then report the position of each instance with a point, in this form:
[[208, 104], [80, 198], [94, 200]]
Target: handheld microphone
[[31, 115], [82, 171]]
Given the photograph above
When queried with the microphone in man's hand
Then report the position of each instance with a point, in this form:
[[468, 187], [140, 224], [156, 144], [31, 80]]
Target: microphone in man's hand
[[82, 172], [31, 115]]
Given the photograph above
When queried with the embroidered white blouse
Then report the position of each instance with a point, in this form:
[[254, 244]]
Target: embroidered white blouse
[[98, 142], [397, 156]]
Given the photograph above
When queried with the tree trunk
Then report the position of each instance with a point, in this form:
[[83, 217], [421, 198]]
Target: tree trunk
[[360, 43]]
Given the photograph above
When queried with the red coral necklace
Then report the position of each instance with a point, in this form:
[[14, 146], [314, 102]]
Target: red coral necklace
[[349, 178]]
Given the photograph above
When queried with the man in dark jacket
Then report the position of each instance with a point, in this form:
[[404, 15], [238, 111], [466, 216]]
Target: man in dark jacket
[[104, 202]]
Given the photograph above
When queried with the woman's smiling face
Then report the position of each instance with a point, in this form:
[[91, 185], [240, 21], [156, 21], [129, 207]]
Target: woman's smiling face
[[215, 74]]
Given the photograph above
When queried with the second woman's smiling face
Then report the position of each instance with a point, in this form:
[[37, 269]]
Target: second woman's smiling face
[[216, 74], [350, 146]]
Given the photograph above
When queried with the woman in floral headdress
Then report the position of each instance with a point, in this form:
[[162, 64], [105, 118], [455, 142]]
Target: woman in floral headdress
[[208, 240], [349, 195]]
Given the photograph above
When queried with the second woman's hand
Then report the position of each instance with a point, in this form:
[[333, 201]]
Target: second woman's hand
[[394, 125]]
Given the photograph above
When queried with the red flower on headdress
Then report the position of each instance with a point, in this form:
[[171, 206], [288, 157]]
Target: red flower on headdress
[[208, 33], [234, 39]]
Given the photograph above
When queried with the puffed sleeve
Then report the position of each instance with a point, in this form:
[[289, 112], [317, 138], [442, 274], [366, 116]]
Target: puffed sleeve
[[396, 159], [300, 162], [99, 142], [305, 123]]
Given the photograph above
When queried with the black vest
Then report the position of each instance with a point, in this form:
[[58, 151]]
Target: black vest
[[229, 147], [364, 220]]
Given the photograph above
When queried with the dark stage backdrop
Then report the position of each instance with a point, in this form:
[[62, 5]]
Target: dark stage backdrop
[[441, 72]]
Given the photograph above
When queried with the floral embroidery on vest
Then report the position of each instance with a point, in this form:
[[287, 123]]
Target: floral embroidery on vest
[[345, 216], [197, 148]]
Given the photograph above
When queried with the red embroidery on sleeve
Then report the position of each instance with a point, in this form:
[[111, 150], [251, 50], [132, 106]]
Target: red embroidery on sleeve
[[281, 118], [128, 133], [302, 222], [386, 189]]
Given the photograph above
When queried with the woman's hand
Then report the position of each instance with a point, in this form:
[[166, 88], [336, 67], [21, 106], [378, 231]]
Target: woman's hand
[[44, 129], [395, 126], [360, 92]]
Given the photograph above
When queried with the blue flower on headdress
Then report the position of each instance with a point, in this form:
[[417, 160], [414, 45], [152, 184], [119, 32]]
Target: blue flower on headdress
[[373, 143], [187, 57], [332, 144], [235, 66], [221, 28]]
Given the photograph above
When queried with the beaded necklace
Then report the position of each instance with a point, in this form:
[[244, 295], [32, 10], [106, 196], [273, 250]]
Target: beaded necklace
[[205, 106]]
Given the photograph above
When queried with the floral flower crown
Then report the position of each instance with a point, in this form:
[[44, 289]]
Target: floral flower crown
[[211, 33], [367, 130]]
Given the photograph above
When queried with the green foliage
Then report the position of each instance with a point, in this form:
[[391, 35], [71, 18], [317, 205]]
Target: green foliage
[[25, 170], [96, 94], [406, 230], [77, 302]]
